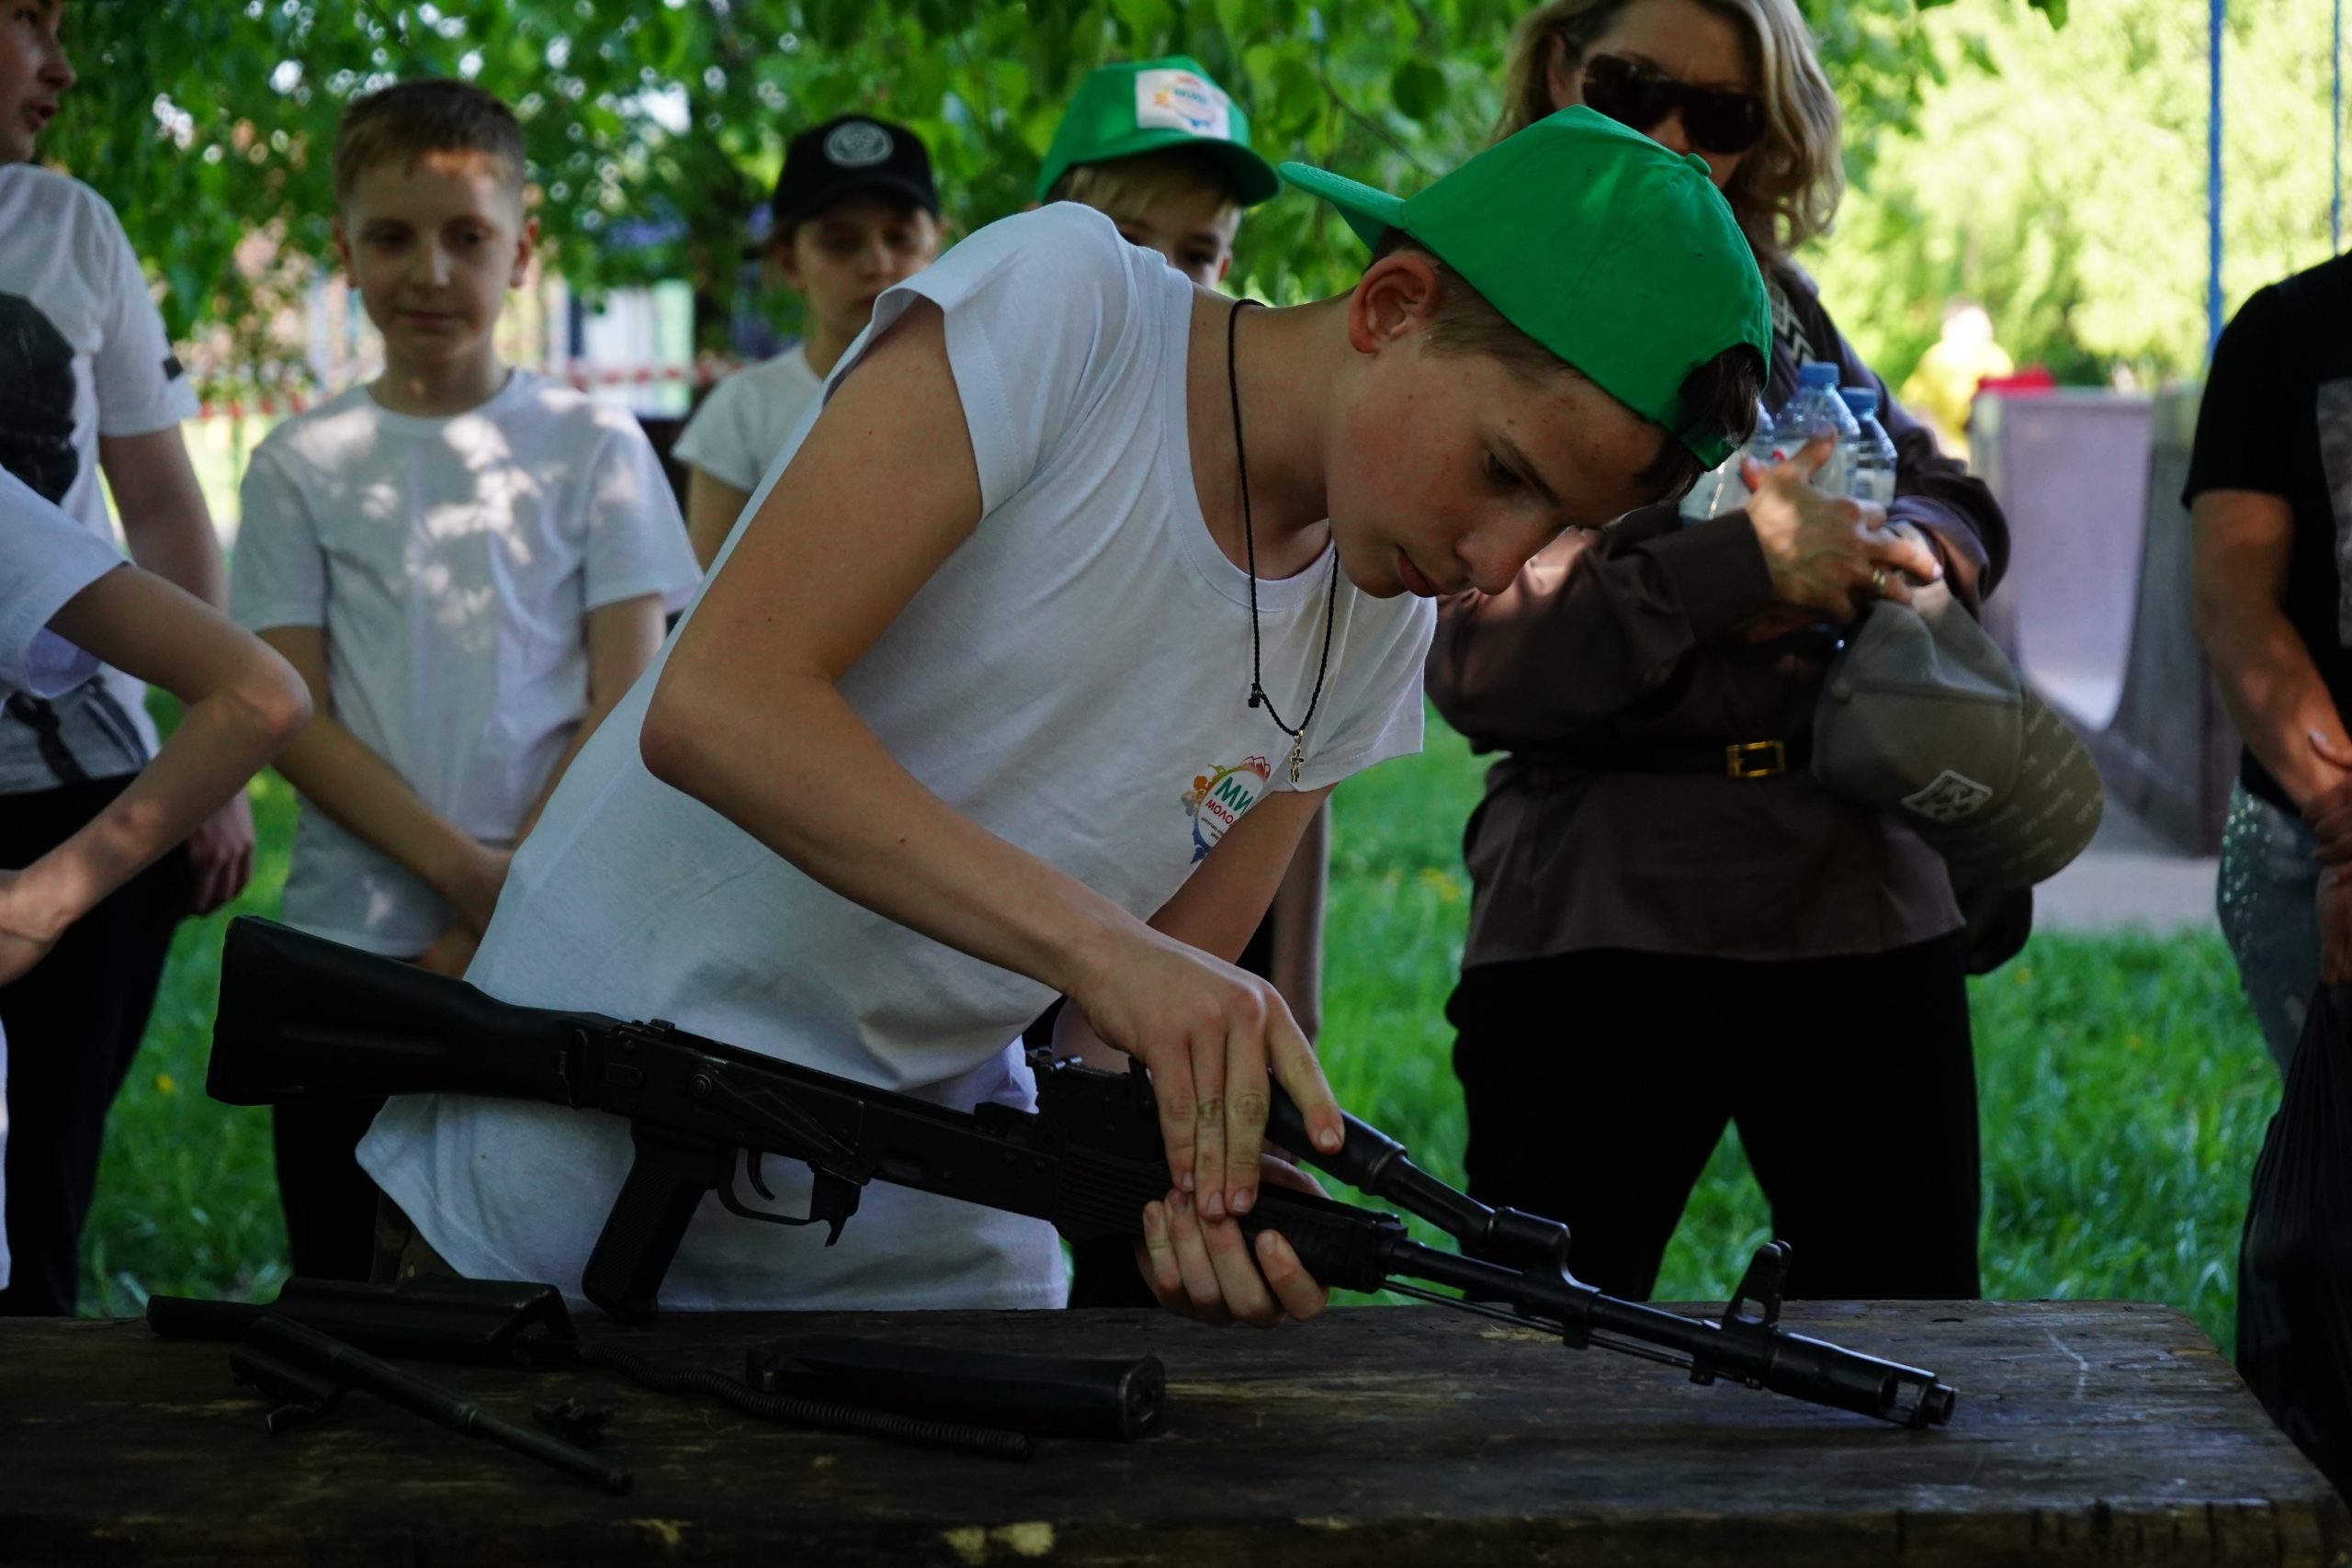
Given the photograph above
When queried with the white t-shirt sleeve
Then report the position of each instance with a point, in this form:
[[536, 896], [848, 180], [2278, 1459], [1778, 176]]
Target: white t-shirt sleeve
[[1033, 303], [1376, 705], [636, 538], [139, 383], [46, 558], [278, 574], [720, 438]]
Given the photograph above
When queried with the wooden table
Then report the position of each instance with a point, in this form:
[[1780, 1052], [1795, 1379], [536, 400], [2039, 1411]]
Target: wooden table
[[2086, 1432]]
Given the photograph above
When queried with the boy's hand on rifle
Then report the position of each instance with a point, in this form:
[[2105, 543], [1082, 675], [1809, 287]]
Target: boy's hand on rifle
[[1208, 1032], [1209, 1269]]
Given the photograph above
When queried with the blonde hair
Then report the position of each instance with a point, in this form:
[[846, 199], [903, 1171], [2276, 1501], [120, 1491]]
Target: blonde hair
[[1786, 190], [1140, 181], [411, 120]]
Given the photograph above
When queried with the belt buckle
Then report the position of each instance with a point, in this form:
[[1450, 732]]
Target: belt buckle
[[1756, 759]]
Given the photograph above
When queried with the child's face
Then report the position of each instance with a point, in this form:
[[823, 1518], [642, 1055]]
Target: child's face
[[842, 259], [1457, 469], [34, 74], [1192, 229], [433, 248]]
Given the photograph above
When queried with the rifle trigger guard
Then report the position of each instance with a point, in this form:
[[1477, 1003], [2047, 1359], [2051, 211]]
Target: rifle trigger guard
[[832, 1199]]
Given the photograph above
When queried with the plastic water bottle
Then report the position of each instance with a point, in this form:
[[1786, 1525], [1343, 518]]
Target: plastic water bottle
[[1722, 489], [1870, 464], [1817, 407]]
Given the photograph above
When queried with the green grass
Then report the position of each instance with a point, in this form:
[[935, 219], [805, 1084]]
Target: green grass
[[2123, 1088]]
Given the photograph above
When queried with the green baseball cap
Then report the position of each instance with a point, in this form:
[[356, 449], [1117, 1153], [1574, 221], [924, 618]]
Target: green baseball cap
[[1145, 105], [1602, 245]]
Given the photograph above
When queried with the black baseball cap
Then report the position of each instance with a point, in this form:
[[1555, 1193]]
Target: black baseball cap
[[849, 153]]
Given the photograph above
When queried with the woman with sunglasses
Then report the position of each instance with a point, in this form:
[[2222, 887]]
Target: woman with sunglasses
[[1673, 926]]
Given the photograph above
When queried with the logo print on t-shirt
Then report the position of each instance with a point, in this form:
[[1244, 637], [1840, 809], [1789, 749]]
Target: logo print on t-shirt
[[36, 400], [860, 145], [1219, 796]]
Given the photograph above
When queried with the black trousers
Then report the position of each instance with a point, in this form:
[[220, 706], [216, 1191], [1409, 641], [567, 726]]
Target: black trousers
[[73, 1024], [1598, 1084], [330, 1202]]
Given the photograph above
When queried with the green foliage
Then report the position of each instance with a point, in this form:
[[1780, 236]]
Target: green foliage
[[2061, 181], [2123, 1090], [665, 122]]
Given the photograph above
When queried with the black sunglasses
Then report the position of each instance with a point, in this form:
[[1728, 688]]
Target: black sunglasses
[[1641, 97]]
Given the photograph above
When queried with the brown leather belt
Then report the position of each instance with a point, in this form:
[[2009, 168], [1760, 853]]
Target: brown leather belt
[[1732, 760]]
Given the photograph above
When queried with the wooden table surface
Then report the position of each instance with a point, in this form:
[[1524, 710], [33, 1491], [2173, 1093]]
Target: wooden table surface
[[2086, 1432]]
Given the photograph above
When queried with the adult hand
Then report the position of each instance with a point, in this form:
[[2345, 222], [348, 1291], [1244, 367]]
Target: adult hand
[[1207, 1032], [1209, 1270], [2329, 813], [451, 950], [221, 855], [1825, 551], [26, 934]]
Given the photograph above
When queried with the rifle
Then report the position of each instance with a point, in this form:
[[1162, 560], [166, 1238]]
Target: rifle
[[302, 1017]]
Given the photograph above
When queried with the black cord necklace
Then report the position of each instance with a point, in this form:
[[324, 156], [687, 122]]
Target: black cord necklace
[[1258, 697]]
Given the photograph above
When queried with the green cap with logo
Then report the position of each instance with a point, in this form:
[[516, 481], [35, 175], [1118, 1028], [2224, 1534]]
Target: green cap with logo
[[1144, 105], [1613, 252]]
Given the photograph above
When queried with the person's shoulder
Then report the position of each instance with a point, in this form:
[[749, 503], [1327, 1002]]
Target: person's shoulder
[[44, 196], [560, 409], [328, 435], [1062, 251]]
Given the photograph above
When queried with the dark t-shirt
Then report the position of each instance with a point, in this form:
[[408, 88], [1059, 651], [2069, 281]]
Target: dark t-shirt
[[2276, 418]]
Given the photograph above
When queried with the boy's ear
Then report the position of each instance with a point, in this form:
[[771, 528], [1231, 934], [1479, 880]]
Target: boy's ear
[[1224, 265], [343, 249], [1396, 298], [526, 244]]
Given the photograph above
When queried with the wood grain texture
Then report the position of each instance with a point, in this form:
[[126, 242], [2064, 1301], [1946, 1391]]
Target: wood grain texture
[[2087, 1433]]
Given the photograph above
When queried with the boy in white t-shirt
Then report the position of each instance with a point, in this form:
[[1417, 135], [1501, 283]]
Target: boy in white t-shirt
[[1046, 712], [468, 564], [855, 211], [66, 597], [88, 385]]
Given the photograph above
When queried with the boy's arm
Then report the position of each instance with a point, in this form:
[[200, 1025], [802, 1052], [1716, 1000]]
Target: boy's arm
[[821, 571], [241, 706], [1297, 911], [365, 795], [623, 638], [169, 530], [712, 506]]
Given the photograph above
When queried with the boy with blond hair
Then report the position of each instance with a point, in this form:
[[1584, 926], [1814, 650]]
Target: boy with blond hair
[[468, 564], [1163, 151]]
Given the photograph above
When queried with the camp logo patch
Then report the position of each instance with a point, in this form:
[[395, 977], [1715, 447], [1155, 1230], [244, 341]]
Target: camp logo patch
[[1178, 100], [860, 145], [1219, 796], [1949, 797]]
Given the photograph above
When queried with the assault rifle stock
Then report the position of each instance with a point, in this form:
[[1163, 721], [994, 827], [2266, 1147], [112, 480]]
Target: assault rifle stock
[[303, 1018]]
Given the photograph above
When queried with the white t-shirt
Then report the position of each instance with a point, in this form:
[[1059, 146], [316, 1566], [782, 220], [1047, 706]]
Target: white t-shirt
[[452, 563], [745, 423], [83, 354], [45, 559], [1072, 678]]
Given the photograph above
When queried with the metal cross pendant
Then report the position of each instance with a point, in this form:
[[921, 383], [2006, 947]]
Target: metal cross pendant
[[1297, 754]]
